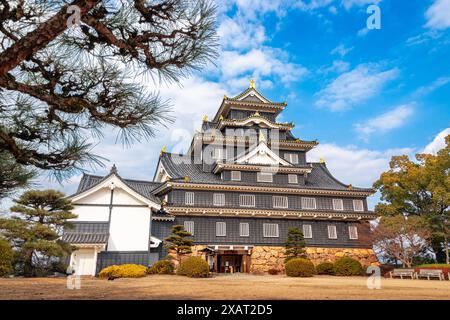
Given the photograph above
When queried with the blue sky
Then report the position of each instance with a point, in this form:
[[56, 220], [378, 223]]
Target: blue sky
[[365, 95]]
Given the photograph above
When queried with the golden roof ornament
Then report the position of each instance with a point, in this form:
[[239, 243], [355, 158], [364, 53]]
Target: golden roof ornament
[[256, 114], [252, 84], [187, 179], [262, 137], [163, 150], [205, 118], [167, 178], [221, 118], [350, 187], [225, 97], [322, 160]]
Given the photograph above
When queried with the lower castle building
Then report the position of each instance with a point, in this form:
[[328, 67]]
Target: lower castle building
[[243, 183]]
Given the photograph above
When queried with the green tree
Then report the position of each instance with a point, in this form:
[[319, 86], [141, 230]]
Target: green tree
[[179, 242], [6, 257], [13, 176], [295, 244], [33, 230], [68, 68], [420, 188]]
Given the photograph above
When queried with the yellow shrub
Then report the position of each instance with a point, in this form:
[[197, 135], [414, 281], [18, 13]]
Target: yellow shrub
[[123, 271]]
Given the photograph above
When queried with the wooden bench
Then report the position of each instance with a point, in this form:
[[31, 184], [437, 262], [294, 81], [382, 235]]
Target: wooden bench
[[409, 273], [431, 273]]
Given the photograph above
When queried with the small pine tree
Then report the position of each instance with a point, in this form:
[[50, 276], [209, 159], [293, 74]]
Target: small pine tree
[[35, 229], [179, 242], [295, 244]]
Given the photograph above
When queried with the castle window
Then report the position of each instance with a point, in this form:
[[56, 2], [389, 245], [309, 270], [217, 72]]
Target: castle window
[[219, 153], [236, 175], [280, 202], [221, 229], [307, 231], [219, 199], [292, 178], [358, 205], [308, 203], [247, 200], [338, 204], [291, 157], [189, 226], [264, 177], [270, 230], [189, 198], [244, 230], [332, 233], [353, 232]]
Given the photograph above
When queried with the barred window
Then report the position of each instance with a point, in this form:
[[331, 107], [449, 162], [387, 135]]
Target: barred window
[[189, 198], [219, 199], [244, 229], [221, 229], [338, 204], [358, 205], [264, 177], [280, 202], [189, 226], [219, 153], [332, 233], [292, 178], [236, 175], [270, 230], [353, 232], [308, 203], [247, 200], [307, 231], [291, 157]]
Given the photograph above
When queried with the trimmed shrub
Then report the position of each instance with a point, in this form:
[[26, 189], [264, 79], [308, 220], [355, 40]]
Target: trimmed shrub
[[273, 271], [194, 267], [123, 271], [162, 267], [347, 266], [299, 267], [6, 257], [325, 268]]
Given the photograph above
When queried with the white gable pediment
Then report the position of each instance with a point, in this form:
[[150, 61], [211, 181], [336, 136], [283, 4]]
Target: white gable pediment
[[262, 155], [253, 95], [101, 192]]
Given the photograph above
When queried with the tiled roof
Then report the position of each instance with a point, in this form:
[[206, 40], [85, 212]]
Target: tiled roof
[[83, 238], [179, 166], [144, 188]]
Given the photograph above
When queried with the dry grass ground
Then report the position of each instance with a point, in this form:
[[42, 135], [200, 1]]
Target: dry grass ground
[[224, 287]]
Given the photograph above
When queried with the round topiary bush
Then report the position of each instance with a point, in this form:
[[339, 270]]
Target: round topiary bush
[[123, 271], [6, 257], [194, 267], [162, 267], [325, 268], [347, 266], [299, 267]]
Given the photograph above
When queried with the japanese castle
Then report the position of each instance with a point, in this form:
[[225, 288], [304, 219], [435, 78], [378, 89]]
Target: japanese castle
[[244, 181]]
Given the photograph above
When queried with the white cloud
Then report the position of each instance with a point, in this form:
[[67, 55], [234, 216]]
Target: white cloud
[[355, 86], [360, 167], [240, 34], [438, 142], [387, 121], [341, 50], [423, 37], [436, 84], [358, 3], [338, 66], [259, 63], [438, 15], [362, 32]]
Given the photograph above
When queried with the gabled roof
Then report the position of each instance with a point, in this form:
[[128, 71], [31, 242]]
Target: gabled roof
[[144, 188], [182, 166]]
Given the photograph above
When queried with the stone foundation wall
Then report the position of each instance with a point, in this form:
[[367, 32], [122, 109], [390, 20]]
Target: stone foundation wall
[[264, 258]]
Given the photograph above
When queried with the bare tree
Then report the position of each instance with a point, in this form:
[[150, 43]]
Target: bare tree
[[67, 70], [402, 238]]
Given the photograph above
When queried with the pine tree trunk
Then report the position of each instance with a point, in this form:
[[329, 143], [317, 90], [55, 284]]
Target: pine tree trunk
[[28, 264]]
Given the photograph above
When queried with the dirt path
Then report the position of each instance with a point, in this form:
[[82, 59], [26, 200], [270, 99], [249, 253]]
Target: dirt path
[[224, 287]]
